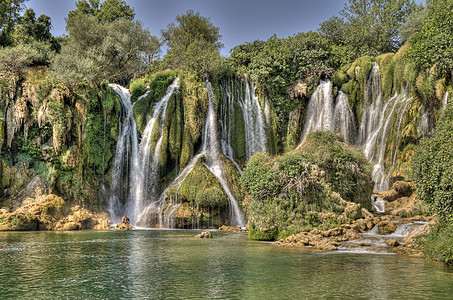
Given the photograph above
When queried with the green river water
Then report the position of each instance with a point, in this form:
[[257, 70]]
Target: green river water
[[171, 264]]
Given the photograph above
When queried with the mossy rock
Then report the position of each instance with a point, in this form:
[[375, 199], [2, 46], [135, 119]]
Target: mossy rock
[[262, 235]]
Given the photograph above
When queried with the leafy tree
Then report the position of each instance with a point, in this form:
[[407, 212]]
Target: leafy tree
[[413, 23], [108, 11], [367, 27], [193, 43], [433, 44], [9, 14], [96, 51]]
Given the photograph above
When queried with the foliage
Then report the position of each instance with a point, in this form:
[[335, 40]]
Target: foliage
[[438, 244], [366, 27], [432, 167], [9, 15], [96, 51], [193, 44], [19, 59], [433, 43], [108, 11], [286, 192]]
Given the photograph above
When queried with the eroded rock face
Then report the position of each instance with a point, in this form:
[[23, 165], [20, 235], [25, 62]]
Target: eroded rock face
[[122, 226]]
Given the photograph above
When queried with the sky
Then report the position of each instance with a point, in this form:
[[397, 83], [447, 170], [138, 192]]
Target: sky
[[239, 20]]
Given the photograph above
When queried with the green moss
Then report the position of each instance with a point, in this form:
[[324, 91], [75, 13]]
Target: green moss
[[426, 86], [238, 135], [339, 78], [386, 67], [257, 235], [186, 149], [201, 188]]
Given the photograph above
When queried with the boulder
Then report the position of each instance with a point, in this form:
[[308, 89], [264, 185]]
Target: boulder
[[324, 245], [392, 243], [352, 235], [332, 232], [122, 226], [403, 188], [387, 227], [204, 235], [390, 195]]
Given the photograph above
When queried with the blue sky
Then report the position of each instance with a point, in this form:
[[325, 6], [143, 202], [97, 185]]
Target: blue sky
[[239, 20]]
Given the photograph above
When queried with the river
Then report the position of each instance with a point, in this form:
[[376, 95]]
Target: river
[[171, 264]]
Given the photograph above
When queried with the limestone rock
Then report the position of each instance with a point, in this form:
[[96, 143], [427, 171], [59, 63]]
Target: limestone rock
[[352, 235], [387, 227], [122, 226], [324, 245], [392, 243], [404, 188], [204, 235], [390, 195]]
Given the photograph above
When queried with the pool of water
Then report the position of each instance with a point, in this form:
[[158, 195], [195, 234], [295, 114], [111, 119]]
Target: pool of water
[[171, 264]]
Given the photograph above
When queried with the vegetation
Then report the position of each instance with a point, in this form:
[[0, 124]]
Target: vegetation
[[193, 44], [287, 192]]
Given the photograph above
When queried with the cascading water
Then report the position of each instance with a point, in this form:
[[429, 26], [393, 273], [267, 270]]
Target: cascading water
[[344, 121], [445, 101], [320, 111], [255, 127], [374, 128], [131, 166]]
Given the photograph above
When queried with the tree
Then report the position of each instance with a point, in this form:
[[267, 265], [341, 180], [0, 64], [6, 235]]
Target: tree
[[433, 43], [194, 43], [413, 23], [96, 51], [368, 27], [9, 14], [108, 11]]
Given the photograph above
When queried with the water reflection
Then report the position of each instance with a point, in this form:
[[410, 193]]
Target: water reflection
[[172, 264]]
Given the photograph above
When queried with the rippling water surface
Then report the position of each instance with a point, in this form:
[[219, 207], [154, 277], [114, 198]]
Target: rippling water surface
[[159, 264]]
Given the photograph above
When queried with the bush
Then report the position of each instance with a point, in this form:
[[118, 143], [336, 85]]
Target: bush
[[432, 167], [438, 244]]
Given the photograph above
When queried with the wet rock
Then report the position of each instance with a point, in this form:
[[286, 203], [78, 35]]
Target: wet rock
[[122, 226], [404, 188], [324, 245], [204, 235], [390, 195], [352, 235], [420, 231], [392, 243], [387, 227], [332, 232]]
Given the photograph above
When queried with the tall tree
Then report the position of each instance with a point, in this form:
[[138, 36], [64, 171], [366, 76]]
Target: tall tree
[[9, 14], [95, 51], [193, 42]]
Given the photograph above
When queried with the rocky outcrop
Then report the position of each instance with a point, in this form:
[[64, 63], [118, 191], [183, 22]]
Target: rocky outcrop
[[50, 212], [204, 235], [123, 226]]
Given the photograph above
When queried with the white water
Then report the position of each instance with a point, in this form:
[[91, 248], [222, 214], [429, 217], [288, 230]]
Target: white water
[[445, 101], [320, 110], [166, 207], [132, 160], [255, 127], [344, 121], [378, 204]]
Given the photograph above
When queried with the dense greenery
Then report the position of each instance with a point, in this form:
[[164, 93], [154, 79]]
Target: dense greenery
[[432, 168], [95, 51], [193, 43], [287, 192], [366, 27], [433, 43]]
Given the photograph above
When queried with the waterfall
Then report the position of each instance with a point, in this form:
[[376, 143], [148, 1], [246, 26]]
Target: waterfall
[[211, 149], [131, 165], [445, 101], [255, 127], [320, 110], [375, 125], [344, 121]]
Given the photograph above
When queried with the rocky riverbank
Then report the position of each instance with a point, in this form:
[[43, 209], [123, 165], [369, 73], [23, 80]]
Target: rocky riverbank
[[395, 230], [50, 212]]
